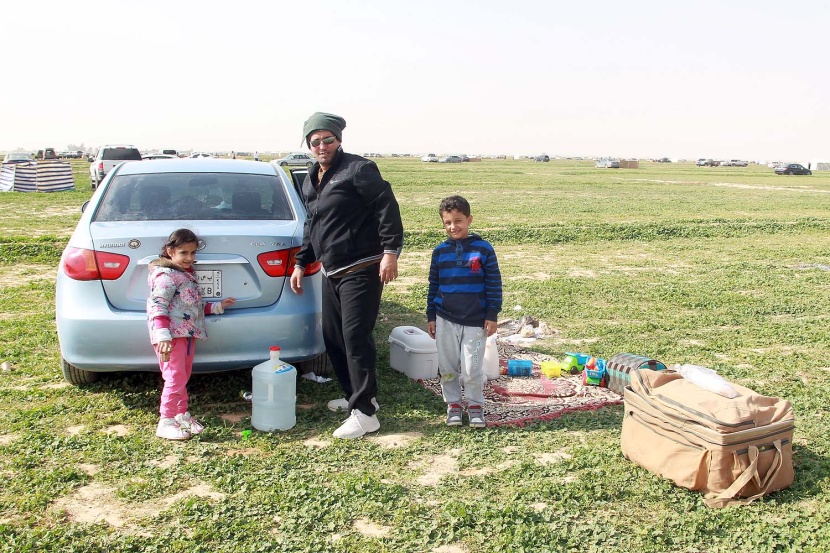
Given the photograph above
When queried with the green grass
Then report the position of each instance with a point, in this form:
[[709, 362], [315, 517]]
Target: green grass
[[722, 267]]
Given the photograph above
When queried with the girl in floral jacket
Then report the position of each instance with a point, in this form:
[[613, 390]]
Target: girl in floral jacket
[[175, 317]]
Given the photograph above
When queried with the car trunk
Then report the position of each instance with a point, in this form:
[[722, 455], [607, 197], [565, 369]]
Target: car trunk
[[220, 270]]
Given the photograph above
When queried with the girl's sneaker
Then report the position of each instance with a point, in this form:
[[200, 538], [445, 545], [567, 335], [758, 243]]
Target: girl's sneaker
[[189, 423], [170, 429], [476, 415], [453, 414]]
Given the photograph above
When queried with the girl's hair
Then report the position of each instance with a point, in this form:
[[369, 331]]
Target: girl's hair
[[454, 203], [179, 238]]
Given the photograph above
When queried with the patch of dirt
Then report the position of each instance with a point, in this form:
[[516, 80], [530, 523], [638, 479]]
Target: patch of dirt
[[393, 441], [56, 386], [97, 503], [438, 466], [23, 273], [89, 469], [450, 549], [117, 429], [75, 430], [166, 463], [551, 458], [6, 439], [369, 528], [316, 443], [539, 507], [233, 418]]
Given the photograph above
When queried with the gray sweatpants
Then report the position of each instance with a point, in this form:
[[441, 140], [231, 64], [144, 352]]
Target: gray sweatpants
[[460, 361]]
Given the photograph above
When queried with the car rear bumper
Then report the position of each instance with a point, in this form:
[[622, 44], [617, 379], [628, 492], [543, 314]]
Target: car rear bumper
[[96, 337]]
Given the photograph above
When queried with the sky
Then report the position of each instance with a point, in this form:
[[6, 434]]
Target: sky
[[644, 79]]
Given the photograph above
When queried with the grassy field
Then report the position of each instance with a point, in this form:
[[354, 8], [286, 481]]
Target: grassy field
[[721, 267]]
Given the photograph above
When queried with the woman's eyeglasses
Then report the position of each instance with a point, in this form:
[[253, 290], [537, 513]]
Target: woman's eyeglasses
[[328, 140]]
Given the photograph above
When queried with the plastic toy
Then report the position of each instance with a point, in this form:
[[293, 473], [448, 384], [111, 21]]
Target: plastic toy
[[519, 367], [594, 373]]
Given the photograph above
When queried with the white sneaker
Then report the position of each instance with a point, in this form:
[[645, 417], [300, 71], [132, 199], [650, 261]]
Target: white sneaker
[[357, 425], [169, 429], [342, 404], [187, 422]]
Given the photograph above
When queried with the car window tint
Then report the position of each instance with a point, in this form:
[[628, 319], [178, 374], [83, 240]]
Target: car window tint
[[121, 154], [203, 196]]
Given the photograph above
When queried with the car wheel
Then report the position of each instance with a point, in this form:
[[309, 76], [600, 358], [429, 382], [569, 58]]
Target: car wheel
[[320, 365], [93, 184], [76, 376], [788, 172], [283, 164], [809, 172], [309, 164]]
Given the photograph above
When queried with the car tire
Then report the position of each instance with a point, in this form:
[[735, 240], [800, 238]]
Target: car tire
[[92, 183], [788, 172], [76, 376], [309, 164], [320, 365], [283, 164], [809, 172]]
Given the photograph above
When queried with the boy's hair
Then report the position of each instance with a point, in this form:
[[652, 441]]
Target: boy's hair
[[178, 238], [454, 203]]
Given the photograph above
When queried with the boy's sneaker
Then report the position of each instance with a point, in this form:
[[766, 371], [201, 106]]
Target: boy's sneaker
[[453, 414], [187, 422], [357, 425], [170, 429], [342, 404], [476, 415]]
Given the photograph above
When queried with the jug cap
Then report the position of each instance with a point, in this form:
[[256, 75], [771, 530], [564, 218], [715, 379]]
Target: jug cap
[[275, 348]]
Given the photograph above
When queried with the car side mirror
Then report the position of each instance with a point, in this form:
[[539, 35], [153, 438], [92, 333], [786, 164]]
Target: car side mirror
[[83, 206]]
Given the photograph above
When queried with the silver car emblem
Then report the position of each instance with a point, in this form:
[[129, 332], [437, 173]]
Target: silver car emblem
[[201, 245], [134, 243]]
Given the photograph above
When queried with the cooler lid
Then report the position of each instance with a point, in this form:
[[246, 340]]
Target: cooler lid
[[412, 339]]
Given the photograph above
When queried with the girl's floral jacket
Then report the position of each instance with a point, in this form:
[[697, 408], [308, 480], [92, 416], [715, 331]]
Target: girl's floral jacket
[[175, 296]]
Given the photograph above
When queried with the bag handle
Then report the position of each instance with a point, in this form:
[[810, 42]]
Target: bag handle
[[727, 497]]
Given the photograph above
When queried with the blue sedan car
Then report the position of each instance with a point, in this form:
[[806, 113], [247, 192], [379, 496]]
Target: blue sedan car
[[249, 218]]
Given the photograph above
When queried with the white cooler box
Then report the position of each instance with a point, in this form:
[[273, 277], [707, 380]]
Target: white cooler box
[[413, 352]]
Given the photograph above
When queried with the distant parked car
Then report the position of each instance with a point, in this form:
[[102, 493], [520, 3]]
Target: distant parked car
[[543, 157], [664, 160], [18, 157], [430, 158], [608, 164], [297, 160], [792, 169], [196, 155], [107, 158], [157, 156], [450, 159], [250, 222], [704, 162]]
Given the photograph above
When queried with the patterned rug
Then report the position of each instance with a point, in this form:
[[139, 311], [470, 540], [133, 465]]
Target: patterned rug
[[520, 400]]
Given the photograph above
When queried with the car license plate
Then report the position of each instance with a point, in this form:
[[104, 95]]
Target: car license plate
[[210, 283]]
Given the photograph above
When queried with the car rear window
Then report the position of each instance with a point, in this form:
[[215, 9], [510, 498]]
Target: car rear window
[[121, 154], [203, 196]]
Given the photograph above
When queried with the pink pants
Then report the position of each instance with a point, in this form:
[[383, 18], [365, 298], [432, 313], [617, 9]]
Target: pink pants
[[176, 373]]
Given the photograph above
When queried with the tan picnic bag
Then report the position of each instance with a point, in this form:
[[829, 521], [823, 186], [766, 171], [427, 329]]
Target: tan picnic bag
[[731, 450]]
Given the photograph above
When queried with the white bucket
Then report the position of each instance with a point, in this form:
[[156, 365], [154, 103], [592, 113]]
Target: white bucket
[[491, 359], [274, 396]]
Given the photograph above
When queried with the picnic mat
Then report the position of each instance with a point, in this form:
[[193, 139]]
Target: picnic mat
[[520, 400]]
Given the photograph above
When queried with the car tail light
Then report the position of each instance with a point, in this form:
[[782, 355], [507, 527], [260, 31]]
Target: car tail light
[[280, 263], [100, 166], [82, 264]]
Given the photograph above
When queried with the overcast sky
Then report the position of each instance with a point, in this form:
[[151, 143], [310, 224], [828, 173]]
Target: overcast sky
[[721, 79]]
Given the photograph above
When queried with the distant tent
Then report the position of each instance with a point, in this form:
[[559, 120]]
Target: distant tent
[[820, 165], [45, 176]]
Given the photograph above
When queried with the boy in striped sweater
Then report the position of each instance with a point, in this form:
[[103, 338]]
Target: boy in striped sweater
[[463, 303]]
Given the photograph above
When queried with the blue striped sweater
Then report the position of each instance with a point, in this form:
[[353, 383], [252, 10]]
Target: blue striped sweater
[[464, 282]]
